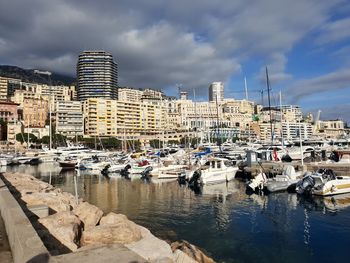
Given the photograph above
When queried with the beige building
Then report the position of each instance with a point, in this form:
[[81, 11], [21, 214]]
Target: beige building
[[132, 94], [331, 128], [205, 115], [124, 119], [21, 90], [20, 95], [238, 106], [35, 112], [13, 128]]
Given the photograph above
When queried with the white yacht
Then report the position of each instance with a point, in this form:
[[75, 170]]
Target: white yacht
[[216, 170]]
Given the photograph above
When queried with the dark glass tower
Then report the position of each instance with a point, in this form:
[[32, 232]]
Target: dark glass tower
[[97, 75]]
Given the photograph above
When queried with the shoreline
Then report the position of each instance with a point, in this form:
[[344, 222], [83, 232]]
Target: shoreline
[[64, 229]]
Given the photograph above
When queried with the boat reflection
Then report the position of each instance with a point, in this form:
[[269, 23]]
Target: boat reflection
[[326, 204]]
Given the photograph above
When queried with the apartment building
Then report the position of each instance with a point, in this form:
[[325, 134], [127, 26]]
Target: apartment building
[[35, 112], [293, 130], [69, 118], [124, 119], [3, 88], [331, 128], [97, 75]]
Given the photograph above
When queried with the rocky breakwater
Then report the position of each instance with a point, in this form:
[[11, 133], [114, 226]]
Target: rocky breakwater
[[76, 226]]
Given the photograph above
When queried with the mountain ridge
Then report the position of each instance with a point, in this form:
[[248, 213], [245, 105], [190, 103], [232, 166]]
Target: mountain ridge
[[28, 75]]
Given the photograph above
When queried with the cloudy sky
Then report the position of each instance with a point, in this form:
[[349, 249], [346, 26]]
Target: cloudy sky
[[157, 43]]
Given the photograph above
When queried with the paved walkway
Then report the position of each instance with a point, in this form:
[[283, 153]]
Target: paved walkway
[[5, 250]]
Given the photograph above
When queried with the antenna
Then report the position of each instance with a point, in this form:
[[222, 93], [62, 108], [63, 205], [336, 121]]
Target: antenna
[[268, 95], [246, 88], [179, 88]]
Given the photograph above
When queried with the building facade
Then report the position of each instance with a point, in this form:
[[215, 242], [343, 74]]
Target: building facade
[[295, 130], [8, 111], [35, 112], [123, 119], [216, 91], [97, 75], [3, 88], [69, 118], [331, 128]]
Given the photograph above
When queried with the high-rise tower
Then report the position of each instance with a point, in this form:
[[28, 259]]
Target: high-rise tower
[[97, 75], [216, 91]]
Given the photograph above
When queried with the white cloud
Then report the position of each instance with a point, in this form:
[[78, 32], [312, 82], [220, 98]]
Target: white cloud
[[157, 43], [334, 31], [333, 81]]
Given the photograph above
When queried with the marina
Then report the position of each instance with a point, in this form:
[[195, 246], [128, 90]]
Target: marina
[[222, 219]]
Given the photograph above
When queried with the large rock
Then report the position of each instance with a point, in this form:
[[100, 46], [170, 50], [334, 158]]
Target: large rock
[[152, 249], [54, 201], [27, 184], [65, 227], [89, 214], [192, 251], [113, 219], [117, 234]]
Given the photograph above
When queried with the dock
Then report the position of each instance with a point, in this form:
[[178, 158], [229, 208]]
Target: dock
[[340, 169]]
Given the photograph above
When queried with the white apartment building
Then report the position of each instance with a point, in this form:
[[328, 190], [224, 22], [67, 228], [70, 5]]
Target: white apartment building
[[291, 130], [129, 94], [3, 88], [69, 118]]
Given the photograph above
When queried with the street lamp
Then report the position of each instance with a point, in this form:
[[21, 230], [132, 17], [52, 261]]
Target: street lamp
[[48, 74]]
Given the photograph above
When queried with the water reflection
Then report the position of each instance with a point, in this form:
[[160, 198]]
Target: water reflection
[[231, 225]]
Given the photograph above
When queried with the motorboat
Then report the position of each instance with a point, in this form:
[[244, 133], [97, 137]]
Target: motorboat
[[93, 163], [294, 153], [282, 182], [23, 159], [332, 185], [311, 180], [68, 164], [258, 182], [216, 170], [171, 171]]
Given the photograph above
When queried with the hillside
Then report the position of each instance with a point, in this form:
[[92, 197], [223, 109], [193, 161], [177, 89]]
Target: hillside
[[28, 75]]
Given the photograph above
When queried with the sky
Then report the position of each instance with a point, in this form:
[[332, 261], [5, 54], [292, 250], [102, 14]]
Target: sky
[[305, 44]]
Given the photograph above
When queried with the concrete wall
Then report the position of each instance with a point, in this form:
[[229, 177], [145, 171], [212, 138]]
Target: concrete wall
[[25, 243]]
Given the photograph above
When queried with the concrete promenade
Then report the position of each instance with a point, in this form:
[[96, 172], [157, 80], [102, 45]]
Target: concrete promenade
[[5, 250]]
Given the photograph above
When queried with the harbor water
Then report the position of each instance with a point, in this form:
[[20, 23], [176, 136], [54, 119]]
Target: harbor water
[[224, 221]]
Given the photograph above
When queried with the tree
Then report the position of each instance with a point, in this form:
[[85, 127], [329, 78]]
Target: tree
[[45, 139], [171, 142], [111, 142], [20, 137], [192, 141], [155, 143]]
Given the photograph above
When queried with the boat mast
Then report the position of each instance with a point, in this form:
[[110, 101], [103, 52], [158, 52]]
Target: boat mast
[[268, 96], [28, 134], [281, 119], [246, 88], [217, 122]]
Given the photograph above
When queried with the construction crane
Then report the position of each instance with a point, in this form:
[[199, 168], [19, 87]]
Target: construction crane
[[317, 119]]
